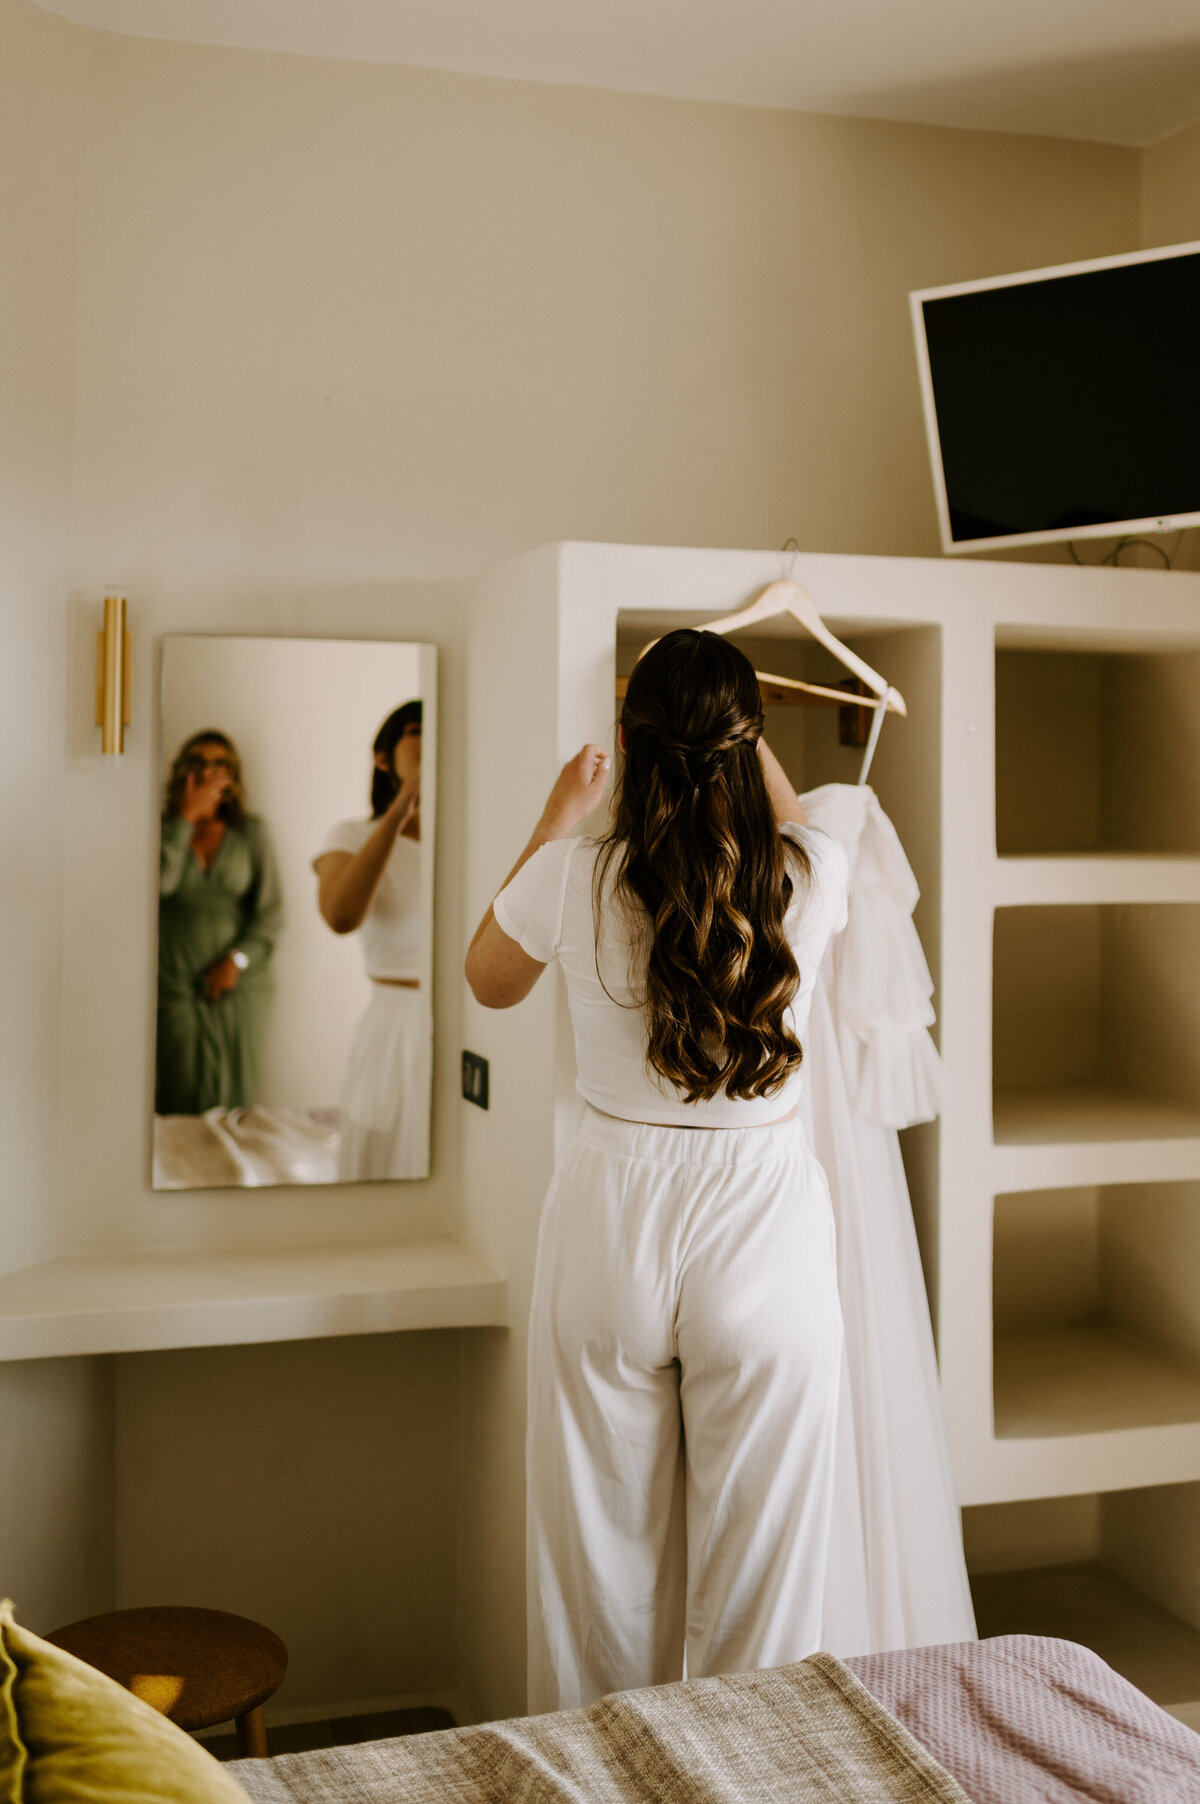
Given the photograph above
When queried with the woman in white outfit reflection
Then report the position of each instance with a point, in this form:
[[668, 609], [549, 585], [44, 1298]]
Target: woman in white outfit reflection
[[369, 882], [685, 1332]]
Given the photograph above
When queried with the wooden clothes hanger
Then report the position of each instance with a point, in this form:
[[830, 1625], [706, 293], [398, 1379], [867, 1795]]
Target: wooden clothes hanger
[[785, 596]]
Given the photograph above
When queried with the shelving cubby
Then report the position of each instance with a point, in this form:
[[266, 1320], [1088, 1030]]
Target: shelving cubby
[[1112, 1570], [1097, 750], [1095, 1316], [1096, 1033]]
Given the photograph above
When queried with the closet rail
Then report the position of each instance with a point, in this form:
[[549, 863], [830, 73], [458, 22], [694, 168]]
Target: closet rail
[[790, 692]]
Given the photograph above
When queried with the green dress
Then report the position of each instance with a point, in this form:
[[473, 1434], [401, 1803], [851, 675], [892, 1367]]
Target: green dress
[[208, 1052]]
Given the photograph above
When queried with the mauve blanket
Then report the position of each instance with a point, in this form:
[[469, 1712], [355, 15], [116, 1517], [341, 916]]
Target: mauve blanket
[[1023, 1719]]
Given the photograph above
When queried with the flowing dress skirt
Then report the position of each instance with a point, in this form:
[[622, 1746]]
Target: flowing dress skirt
[[896, 1576], [386, 1088]]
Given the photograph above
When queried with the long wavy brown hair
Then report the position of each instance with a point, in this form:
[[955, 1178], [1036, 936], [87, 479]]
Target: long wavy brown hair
[[232, 809], [694, 841]]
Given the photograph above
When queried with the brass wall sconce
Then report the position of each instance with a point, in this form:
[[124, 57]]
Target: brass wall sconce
[[112, 678]]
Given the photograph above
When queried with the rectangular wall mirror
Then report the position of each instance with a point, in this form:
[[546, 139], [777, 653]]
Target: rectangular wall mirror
[[293, 1032]]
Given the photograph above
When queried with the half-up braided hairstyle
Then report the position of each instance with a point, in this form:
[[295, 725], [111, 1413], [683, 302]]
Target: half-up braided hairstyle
[[694, 840]]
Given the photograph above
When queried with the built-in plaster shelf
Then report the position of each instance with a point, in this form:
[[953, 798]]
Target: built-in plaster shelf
[[1088, 1113], [1152, 1648], [1096, 877], [1090, 1134], [136, 1302], [1087, 1380]]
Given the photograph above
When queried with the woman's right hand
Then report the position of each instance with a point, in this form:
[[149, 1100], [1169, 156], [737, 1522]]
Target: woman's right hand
[[201, 798], [405, 802], [578, 789]]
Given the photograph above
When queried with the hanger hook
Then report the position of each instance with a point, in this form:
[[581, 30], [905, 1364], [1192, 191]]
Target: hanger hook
[[792, 547]]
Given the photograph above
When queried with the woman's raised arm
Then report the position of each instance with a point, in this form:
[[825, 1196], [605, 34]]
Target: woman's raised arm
[[784, 801], [347, 881], [499, 971]]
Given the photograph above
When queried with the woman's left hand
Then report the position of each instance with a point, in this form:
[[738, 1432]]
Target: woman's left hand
[[220, 978], [578, 789]]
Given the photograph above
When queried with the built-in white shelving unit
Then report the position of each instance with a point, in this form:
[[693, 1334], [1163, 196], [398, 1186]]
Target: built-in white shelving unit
[[1046, 787], [1094, 1378], [1095, 1169], [1096, 1040], [1099, 877]]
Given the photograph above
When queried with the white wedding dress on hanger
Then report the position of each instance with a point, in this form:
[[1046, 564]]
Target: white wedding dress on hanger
[[896, 1575]]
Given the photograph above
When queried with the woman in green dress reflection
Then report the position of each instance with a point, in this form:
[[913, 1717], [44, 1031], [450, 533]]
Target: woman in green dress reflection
[[219, 913]]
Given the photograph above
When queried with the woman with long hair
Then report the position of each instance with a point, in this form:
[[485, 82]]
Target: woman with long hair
[[219, 914], [369, 883], [685, 1332]]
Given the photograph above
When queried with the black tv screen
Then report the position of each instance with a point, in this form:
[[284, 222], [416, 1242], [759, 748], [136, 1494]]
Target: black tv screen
[[1065, 403]]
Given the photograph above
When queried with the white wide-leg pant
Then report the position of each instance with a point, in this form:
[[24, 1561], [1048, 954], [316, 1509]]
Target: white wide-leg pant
[[684, 1357]]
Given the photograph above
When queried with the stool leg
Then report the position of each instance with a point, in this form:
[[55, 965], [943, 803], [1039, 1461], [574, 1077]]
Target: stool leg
[[252, 1734]]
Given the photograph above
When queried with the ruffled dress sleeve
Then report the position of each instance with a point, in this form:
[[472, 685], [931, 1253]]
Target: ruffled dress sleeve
[[885, 991]]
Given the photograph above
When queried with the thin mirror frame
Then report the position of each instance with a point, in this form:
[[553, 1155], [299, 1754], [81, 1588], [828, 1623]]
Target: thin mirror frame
[[172, 645]]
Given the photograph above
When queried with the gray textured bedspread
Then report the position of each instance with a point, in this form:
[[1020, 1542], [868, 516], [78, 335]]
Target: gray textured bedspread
[[1015, 1720], [807, 1734]]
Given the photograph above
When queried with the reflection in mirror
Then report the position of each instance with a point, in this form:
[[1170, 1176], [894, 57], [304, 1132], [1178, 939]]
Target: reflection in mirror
[[293, 1038]]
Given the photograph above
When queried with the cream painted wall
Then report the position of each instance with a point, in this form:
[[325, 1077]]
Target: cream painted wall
[[56, 1544], [1171, 189], [389, 323], [343, 327], [57, 1498], [344, 335], [172, 1484], [381, 321], [305, 1484], [40, 69]]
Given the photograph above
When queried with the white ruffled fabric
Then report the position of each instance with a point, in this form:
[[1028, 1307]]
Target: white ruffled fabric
[[884, 990], [896, 1575]]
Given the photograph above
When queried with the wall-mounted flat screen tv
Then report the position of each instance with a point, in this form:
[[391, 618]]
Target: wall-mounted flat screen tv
[[1064, 403]]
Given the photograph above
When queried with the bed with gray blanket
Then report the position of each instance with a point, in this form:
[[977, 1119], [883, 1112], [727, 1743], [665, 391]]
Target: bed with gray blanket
[[1016, 1720]]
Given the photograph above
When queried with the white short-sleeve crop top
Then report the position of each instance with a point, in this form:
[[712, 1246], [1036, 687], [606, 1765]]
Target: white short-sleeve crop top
[[548, 910], [390, 934]]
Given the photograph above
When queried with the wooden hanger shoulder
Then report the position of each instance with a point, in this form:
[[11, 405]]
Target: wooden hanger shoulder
[[787, 597]]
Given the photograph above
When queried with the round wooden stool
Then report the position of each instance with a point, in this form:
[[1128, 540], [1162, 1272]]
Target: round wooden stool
[[199, 1667]]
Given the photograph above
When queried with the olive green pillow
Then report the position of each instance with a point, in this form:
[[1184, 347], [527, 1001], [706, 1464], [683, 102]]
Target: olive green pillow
[[70, 1735]]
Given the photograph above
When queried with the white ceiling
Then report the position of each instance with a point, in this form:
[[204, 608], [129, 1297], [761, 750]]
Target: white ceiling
[[1116, 71]]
